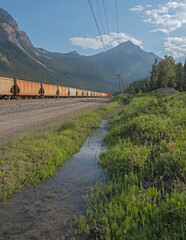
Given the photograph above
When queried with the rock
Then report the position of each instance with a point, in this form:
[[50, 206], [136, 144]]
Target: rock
[[166, 91]]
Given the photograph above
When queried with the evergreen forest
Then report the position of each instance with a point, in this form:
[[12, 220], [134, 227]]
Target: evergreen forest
[[165, 74]]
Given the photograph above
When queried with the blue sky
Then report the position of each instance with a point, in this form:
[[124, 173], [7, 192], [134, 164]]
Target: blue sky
[[157, 26]]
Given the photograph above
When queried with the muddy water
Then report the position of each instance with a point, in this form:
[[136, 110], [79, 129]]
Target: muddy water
[[44, 212]]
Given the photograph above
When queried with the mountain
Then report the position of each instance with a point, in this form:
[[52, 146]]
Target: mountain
[[128, 59], [18, 57]]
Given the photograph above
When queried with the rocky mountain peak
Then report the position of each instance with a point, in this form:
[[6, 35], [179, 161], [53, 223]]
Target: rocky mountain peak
[[4, 15], [74, 53], [129, 47], [11, 31]]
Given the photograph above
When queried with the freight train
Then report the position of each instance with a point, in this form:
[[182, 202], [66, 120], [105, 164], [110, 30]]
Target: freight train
[[14, 88]]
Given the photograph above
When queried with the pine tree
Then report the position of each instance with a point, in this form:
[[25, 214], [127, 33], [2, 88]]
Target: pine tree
[[180, 74], [184, 82], [167, 72], [154, 75], [185, 66]]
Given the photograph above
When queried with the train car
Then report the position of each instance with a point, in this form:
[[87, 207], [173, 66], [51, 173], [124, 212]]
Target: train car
[[79, 92], [28, 88], [85, 93], [89, 93], [13, 88], [63, 91], [71, 92], [50, 90], [6, 87]]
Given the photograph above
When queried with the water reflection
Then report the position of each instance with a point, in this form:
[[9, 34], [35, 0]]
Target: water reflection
[[45, 211]]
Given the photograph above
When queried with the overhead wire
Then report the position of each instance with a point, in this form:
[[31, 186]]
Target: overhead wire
[[108, 29], [117, 19], [119, 52], [117, 25], [106, 18], [98, 28], [101, 37], [100, 17]]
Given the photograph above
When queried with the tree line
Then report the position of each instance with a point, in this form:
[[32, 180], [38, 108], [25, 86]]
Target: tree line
[[165, 73]]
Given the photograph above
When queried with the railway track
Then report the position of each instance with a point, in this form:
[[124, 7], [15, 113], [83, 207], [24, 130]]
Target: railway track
[[33, 102]]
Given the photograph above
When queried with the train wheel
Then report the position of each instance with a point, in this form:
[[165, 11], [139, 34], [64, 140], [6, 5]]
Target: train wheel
[[7, 97], [17, 97]]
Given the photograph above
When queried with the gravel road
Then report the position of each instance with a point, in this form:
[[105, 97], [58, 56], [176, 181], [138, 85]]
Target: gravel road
[[24, 115]]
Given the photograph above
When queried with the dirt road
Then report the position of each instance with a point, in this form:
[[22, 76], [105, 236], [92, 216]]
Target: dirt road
[[18, 116]]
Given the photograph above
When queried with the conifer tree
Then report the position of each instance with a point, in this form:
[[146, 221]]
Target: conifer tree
[[180, 74], [154, 75], [184, 82], [185, 66]]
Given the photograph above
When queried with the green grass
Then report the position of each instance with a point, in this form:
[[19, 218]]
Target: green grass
[[32, 158], [144, 197]]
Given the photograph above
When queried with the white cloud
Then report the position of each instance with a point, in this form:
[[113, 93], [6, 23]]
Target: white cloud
[[176, 46], [109, 40], [87, 43], [168, 17], [137, 8]]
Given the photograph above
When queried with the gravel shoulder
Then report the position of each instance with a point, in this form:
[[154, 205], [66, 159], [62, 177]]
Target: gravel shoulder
[[20, 116]]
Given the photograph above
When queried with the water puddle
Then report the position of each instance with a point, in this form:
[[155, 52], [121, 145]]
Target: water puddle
[[44, 212]]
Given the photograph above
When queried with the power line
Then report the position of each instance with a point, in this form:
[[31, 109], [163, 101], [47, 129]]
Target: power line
[[108, 30], [106, 17], [121, 82], [97, 25], [119, 52], [117, 19], [100, 17], [92, 10], [107, 26], [117, 23]]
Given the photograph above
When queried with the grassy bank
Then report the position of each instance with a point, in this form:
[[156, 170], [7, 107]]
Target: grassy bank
[[144, 197], [32, 158]]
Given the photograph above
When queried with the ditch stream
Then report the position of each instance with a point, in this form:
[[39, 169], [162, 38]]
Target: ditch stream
[[45, 211]]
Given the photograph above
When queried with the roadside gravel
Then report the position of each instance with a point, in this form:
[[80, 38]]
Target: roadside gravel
[[26, 116], [13, 106]]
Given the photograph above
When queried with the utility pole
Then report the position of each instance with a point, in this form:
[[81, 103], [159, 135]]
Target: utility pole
[[121, 82]]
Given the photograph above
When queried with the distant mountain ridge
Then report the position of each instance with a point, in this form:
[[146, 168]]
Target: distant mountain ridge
[[128, 59], [18, 57]]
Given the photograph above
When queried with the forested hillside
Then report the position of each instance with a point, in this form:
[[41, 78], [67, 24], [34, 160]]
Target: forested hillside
[[166, 73]]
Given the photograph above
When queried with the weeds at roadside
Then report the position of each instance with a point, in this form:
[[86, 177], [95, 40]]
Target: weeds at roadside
[[33, 158], [144, 197]]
